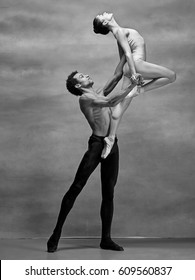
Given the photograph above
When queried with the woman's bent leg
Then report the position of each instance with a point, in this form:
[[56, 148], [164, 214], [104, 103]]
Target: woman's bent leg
[[159, 75]]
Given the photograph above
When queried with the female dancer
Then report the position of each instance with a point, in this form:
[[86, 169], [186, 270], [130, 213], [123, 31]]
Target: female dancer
[[132, 45]]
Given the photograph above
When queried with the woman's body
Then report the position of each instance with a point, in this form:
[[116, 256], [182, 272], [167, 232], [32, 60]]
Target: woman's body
[[132, 45]]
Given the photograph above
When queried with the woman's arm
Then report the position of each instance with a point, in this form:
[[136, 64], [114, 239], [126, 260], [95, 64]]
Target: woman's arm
[[123, 43], [113, 81]]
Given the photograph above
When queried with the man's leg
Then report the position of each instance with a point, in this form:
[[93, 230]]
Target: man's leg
[[88, 164], [109, 175]]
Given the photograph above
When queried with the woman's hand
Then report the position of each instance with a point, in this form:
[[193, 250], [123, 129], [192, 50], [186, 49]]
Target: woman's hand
[[137, 78]]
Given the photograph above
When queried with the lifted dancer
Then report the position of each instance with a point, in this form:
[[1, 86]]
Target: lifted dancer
[[131, 44]]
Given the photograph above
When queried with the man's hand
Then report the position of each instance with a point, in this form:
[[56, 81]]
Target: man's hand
[[138, 79]]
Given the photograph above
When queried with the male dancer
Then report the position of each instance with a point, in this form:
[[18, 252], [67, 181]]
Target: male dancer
[[96, 108]]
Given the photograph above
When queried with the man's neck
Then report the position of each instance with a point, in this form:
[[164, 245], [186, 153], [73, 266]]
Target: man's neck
[[88, 90]]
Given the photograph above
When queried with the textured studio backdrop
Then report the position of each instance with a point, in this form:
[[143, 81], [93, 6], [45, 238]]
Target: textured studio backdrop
[[43, 135]]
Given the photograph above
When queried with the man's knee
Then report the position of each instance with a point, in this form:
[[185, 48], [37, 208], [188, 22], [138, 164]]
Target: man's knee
[[108, 195], [108, 198]]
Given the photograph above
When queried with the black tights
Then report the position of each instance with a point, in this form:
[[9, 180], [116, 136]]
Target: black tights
[[109, 174]]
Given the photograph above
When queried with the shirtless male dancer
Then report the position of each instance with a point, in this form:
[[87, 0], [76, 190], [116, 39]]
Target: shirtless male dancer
[[96, 108], [131, 44]]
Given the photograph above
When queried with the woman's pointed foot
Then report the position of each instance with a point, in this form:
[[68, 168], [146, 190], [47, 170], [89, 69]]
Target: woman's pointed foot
[[108, 144]]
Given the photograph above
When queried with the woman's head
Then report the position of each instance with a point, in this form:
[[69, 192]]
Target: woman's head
[[100, 23]]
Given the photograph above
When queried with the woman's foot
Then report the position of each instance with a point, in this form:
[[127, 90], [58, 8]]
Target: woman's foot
[[108, 144], [108, 244]]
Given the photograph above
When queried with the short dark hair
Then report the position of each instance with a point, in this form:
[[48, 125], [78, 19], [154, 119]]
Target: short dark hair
[[71, 82], [98, 27]]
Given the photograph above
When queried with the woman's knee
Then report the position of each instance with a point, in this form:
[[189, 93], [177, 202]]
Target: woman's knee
[[116, 116], [117, 112], [172, 77]]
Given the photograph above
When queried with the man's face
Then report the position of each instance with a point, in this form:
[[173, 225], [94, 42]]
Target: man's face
[[83, 80], [105, 16]]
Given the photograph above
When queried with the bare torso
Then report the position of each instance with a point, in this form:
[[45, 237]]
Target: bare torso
[[97, 117], [136, 43]]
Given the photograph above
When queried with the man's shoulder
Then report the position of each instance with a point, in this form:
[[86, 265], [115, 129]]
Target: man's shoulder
[[86, 98]]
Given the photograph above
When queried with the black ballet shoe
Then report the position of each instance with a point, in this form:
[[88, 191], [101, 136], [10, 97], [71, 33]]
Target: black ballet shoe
[[110, 245], [52, 243]]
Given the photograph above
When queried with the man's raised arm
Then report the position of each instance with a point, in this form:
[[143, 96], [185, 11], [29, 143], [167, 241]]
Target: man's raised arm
[[111, 99]]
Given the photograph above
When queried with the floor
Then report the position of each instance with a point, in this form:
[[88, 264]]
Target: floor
[[85, 249]]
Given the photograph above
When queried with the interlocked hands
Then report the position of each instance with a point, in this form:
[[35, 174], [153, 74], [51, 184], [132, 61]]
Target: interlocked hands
[[137, 79]]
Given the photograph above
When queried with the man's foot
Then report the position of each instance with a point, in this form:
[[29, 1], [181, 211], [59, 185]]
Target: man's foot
[[108, 144], [52, 243], [108, 244]]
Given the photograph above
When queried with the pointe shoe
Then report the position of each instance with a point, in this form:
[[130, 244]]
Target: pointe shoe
[[52, 244], [108, 144]]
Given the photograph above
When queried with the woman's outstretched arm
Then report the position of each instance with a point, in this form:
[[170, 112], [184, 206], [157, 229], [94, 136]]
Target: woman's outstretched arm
[[123, 43], [113, 81]]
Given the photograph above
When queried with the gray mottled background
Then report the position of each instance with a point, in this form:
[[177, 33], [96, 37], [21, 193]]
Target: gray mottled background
[[43, 134]]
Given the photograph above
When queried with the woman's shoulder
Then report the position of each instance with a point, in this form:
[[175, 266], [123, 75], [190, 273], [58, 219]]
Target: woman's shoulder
[[121, 32], [127, 31], [131, 30]]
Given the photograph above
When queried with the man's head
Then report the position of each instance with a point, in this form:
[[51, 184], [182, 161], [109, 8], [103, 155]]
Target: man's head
[[77, 82], [100, 23]]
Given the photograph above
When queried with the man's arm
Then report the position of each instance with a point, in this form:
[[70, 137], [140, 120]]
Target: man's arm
[[113, 81], [110, 100]]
